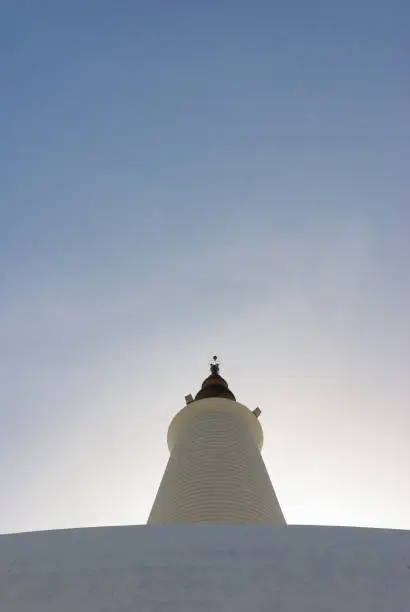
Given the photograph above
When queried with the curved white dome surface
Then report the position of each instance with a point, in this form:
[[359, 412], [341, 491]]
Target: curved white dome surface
[[192, 568]]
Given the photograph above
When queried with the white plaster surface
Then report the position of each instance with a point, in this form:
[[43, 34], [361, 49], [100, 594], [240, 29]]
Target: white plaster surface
[[190, 568], [215, 473]]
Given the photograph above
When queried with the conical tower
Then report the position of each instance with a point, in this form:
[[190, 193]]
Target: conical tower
[[215, 473]]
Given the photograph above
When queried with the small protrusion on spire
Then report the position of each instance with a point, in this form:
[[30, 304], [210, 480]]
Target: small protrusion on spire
[[214, 365]]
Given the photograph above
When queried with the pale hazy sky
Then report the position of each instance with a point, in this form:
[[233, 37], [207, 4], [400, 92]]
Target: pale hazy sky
[[179, 179]]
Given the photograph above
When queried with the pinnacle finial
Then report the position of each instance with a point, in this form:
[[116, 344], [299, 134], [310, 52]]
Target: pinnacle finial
[[214, 365], [214, 385]]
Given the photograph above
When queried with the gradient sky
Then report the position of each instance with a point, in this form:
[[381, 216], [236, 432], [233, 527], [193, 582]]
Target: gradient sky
[[179, 179]]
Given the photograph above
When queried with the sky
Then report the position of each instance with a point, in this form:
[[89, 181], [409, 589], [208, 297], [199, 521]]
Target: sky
[[179, 180]]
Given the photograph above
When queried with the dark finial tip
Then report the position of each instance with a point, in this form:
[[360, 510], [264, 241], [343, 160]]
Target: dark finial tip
[[214, 365], [214, 385]]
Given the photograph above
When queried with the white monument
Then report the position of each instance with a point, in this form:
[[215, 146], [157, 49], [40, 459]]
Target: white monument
[[215, 473]]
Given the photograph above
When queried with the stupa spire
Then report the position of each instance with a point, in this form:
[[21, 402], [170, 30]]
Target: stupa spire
[[215, 472]]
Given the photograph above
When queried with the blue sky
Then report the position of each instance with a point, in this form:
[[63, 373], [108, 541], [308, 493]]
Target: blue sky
[[183, 179]]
